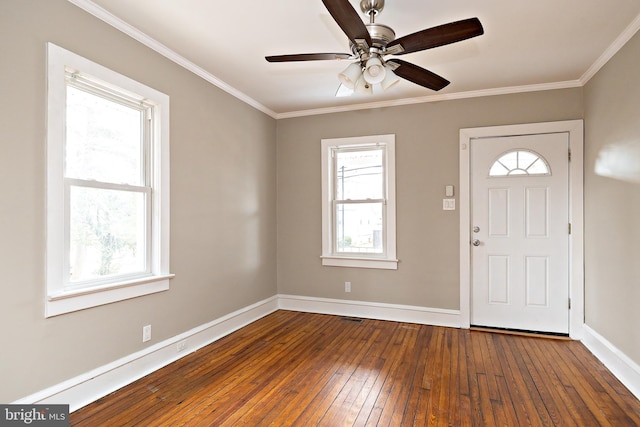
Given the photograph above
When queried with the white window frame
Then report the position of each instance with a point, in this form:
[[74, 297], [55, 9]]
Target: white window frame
[[387, 260], [61, 298]]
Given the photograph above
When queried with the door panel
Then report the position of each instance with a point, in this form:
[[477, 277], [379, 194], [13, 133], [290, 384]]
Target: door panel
[[499, 212], [537, 281], [537, 212], [499, 279], [520, 275]]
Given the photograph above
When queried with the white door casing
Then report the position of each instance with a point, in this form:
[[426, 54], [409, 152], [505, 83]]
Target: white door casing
[[574, 132], [520, 236]]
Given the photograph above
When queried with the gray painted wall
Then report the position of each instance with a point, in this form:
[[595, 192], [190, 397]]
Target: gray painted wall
[[226, 190], [223, 212], [612, 200], [427, 137]]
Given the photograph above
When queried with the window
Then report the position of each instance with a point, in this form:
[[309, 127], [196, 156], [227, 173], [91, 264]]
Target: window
[[107, 186], [358, 202], [519, 162]]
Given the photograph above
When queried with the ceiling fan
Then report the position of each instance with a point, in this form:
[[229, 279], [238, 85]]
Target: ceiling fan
[[371, 42]]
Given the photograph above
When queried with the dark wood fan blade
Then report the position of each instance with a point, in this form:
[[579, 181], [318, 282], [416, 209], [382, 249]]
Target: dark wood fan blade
[[419, 75], [307, 57], [348, 20], [439, 36]]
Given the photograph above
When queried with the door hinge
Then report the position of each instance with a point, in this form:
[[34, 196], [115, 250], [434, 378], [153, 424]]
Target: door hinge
[[569, 155], [569, 228], [569, 303]]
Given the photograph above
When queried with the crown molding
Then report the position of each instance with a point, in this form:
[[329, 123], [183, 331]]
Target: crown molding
[[119, 24], [617, 44], [434, 98], [107, 17]]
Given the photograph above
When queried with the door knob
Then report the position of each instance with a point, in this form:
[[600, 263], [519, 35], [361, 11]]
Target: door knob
[[475, 242]]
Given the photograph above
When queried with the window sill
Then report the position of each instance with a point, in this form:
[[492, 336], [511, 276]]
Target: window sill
[[80, 299], [359, 262]]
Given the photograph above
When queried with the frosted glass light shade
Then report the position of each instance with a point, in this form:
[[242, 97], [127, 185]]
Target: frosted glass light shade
[[363, 87], [374, 71], [390, 78], [350, 75]]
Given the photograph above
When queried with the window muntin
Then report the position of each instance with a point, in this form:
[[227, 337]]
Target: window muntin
[[105, 138], [359, 173], [519, 162], [359, 200], [107, 186], [358, 204]]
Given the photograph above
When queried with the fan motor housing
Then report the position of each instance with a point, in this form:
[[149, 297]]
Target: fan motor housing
[[380, 34]]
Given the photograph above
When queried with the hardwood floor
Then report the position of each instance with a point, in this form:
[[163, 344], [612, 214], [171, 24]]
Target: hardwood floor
[[301, 369]]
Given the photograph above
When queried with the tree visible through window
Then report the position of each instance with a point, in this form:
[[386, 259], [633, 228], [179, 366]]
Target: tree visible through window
[[109, 188], [107, 185]]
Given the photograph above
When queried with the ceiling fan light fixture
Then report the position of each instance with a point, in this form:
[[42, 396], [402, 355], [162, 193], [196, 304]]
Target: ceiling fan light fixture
[[374, 71], [343, 91], [350, 75], [390, 78], [363, 87], [371, 43]]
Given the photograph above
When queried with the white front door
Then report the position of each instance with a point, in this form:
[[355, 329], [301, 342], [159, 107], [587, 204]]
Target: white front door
[[520, 232]]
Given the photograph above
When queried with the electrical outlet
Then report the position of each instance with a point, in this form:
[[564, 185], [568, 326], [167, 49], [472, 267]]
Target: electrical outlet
[[347, 286], [182, 345], [146, 333]]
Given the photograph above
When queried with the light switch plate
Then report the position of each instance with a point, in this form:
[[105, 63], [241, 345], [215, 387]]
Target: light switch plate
[[448, 204]]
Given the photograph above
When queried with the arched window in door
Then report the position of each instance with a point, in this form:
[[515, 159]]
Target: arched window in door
[[518, 163]]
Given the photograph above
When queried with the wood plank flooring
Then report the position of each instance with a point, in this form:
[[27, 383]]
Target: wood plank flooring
[[301, 369]]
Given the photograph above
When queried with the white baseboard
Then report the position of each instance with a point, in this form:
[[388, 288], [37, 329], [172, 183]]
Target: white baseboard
[[371, 310], [84, 389], [620, 365]]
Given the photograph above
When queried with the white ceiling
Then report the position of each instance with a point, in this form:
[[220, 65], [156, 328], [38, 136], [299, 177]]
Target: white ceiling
[[527, 45]]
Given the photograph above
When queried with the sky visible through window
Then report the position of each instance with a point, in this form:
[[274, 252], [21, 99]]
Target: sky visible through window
[[359, 201], [519, 162]]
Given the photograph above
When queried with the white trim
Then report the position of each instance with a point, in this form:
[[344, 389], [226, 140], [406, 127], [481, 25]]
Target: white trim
[[58, 61], [107, 17], [86, 388], [344, 261], [433, 98], [617, 44], [90, 386], [119, 24], [117, 285], [388, 261], [371, 310], [620, 365], [67, 302], [576, 216]]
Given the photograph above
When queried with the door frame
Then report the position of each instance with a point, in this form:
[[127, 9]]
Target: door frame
[[574, 128]]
